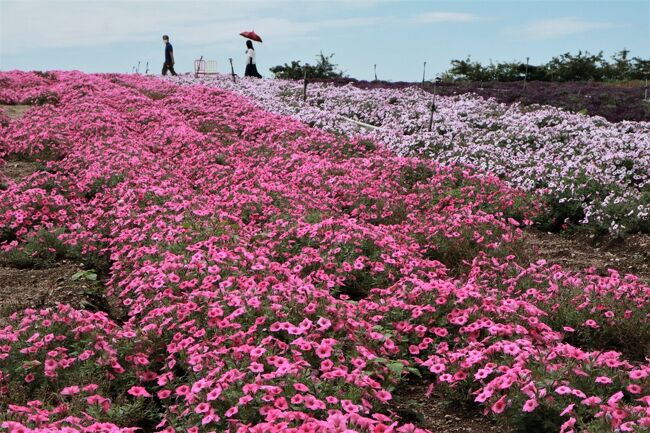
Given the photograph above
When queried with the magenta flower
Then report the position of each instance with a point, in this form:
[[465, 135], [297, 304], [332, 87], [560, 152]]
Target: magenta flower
[[567, 409], [530, 405], [138, 391], [70, 390], [230, 412], [500, 405], [563, 390]]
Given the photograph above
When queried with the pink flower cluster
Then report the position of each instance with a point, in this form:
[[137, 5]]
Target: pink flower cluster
[[596, 171], [278, 278]]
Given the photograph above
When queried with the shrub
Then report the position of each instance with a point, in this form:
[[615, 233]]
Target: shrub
[[324, 68]]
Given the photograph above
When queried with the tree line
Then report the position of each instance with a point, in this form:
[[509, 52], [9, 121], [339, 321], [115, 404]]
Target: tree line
[[582, 66], [324, 68]]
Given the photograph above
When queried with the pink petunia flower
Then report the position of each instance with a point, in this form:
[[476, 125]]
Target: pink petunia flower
[[530, 405], [138, 391], [500, 405]]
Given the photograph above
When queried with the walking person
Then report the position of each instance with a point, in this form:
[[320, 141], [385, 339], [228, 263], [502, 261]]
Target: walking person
[[251, 67], [169, 57]]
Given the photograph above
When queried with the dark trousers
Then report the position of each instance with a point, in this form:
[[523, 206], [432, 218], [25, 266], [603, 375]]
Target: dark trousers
[[168, 67], [251, 71]]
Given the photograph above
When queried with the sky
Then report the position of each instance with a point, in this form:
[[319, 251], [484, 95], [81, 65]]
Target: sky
[[397, 36]]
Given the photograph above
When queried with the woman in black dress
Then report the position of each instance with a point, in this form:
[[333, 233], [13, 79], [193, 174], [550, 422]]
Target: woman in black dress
[[251, 68]]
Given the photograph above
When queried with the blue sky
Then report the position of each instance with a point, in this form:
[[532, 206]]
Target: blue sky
[[398, 36]]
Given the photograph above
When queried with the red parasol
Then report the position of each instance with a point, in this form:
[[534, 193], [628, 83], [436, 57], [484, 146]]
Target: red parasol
[[252, 36]]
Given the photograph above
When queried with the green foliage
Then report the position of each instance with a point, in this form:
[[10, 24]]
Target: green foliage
[[46, 75], [559, 212], [90, 275], [313, 216], [43, 99], [544, 419], [128, 412], [44, 248], [324, 68], [41, 250], [456, 253], [102, 184], [412, 175], [47, 153], [361, 281], [626, 331], [95, 260], [568, 208], [582, 66]]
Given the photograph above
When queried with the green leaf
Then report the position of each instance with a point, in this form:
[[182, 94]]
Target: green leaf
[[86, 275], [415, 371], [396, 367]]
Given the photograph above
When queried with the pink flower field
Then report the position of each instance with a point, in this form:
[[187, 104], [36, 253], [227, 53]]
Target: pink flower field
[[275, 277]]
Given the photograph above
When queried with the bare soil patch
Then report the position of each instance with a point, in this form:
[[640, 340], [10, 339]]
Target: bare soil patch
[[17, 170], [42, 288], [15, 111], [437, 414], [630, 255]]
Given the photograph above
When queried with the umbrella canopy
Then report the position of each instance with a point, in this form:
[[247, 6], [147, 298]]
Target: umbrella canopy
[[252, 36]]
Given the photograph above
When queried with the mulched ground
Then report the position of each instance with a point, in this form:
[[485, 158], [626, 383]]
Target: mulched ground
[[14, 169], [19, 169], [15, 111], [41, 288], [630, 255], [437, 414]]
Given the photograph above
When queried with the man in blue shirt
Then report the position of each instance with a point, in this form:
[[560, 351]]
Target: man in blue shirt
[[169, 57]]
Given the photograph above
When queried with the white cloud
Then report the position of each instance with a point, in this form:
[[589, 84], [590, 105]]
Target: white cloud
[[26, 25], [446, 17], [561, 27]]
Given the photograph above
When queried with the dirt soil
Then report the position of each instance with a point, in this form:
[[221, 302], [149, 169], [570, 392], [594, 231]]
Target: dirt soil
[[14, 169], [630, 255], [36, 288], [15, 111], [17, 170], [437, 414], [41, 288]]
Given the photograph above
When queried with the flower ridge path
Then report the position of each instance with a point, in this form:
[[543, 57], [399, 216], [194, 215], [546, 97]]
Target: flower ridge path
[[281, 278]]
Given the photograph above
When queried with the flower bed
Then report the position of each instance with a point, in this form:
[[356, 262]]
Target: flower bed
[[616, 102], [281, 278], [589, 171]]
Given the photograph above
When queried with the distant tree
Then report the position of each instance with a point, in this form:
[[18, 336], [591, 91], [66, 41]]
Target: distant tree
[[621, 68], [288, 71], [467, 70], [582, 66], [640, 69], [578, 67], [324, 68], [537, 73]]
